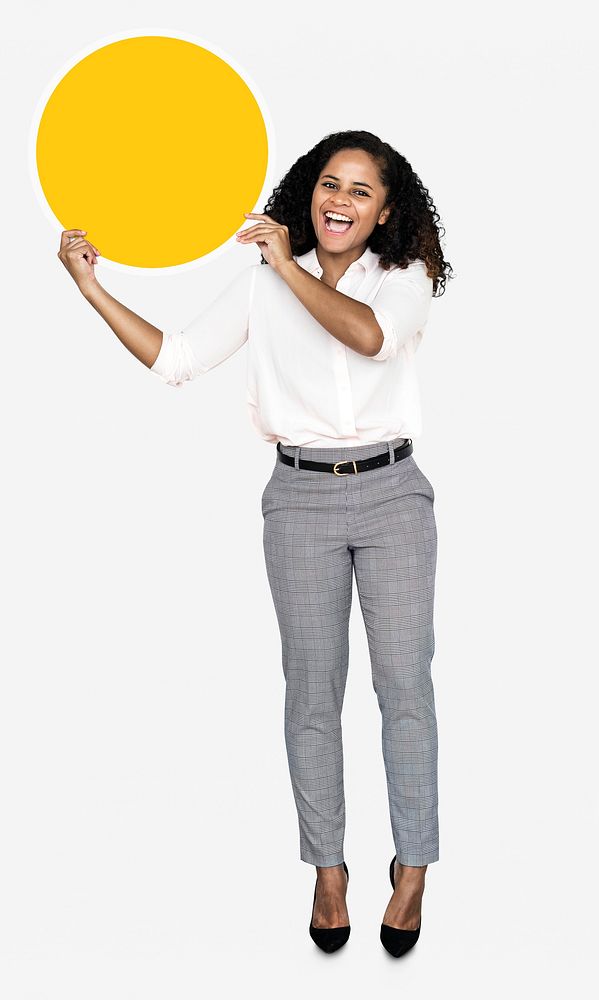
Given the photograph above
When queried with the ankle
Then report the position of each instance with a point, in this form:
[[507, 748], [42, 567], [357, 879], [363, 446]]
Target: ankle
[[330, 872], [410, 873]]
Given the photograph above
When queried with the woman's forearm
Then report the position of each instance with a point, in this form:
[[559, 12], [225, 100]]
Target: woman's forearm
[[350, 321], [140, 337]]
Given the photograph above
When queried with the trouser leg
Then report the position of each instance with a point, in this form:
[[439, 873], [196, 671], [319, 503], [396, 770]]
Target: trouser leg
[[309, 570], [395, 562]]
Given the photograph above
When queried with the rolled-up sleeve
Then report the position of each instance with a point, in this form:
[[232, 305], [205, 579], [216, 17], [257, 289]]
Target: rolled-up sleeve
[[211, 337], [401, 307]]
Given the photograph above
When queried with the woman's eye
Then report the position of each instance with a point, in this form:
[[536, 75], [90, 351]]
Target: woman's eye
[[330, 183]]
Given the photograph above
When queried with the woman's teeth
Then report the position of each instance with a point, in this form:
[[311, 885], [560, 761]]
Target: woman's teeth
[[337, 223]]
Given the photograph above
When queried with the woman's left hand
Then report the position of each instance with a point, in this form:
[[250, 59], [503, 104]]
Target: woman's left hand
[[270, 236]]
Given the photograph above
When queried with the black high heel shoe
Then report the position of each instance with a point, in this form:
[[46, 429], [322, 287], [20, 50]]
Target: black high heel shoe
[[398, 940], [329, 938]]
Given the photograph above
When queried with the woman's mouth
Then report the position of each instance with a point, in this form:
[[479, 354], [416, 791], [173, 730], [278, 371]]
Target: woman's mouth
[[336, 227]]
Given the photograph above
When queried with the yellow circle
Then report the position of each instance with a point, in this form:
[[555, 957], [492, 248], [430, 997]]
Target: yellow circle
[[154, 145]]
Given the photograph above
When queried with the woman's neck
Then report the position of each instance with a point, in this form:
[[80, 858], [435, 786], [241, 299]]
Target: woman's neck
[[334, 265]]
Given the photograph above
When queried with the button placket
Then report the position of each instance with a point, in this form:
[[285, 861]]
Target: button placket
[[341, 368], [344, 392]]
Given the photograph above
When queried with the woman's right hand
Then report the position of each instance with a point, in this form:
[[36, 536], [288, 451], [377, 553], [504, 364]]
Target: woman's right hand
[[78, 256]]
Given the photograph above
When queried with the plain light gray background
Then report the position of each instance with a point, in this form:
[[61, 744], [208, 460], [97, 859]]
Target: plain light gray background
[[141, 725]]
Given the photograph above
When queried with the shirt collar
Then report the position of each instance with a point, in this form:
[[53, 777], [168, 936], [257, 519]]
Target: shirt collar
[[367, 262]]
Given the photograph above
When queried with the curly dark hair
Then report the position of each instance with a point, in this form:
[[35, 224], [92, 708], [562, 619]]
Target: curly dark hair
[[411, 231]]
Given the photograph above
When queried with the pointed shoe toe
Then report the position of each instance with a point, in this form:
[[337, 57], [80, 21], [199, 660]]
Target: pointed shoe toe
[[329, 939], [398, 940]]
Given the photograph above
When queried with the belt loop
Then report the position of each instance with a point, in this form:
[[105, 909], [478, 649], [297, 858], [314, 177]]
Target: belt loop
[[391, 452], [297, 456]]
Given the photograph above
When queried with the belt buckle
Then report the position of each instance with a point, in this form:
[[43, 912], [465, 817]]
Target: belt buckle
[[344, 461]]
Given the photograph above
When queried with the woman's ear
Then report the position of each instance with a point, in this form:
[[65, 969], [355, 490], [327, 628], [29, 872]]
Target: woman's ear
[[386, 212]]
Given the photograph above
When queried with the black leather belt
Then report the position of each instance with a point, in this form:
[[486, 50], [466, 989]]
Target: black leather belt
[[363, 465]]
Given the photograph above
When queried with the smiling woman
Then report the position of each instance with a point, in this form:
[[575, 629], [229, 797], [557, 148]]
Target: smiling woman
[[351, 232], [332, 326]]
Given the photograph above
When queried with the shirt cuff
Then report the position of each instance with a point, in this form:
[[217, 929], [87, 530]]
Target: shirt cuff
[[174, 364], [389, 339]]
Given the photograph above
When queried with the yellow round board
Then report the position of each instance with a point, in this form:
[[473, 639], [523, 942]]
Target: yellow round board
[[156, 146]]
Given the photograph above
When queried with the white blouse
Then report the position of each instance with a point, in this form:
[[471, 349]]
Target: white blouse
[[304, 387]]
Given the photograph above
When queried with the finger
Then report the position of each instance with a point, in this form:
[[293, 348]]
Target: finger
[[262, 227], [263, 240], [81, 246], [266, 222], [77, 241], [64, 236], [270, 236]]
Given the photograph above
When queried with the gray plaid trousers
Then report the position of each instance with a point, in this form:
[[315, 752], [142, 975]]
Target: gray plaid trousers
[[319, 529]]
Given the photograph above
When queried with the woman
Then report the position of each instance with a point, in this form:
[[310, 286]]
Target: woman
[[332, 324]]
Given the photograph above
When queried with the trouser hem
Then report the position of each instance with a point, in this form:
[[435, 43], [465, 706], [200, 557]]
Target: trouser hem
[[322, 860], [417, 860]]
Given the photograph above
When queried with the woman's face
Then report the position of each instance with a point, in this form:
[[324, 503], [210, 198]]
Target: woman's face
[[349, 185]]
